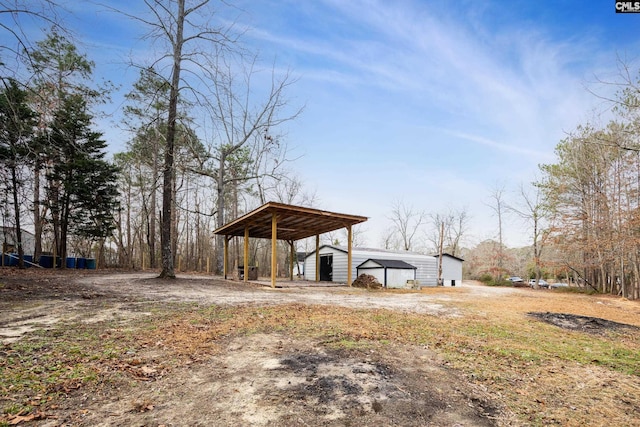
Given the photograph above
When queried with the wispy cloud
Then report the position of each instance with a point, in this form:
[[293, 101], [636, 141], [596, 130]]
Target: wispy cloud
[[499, 146]]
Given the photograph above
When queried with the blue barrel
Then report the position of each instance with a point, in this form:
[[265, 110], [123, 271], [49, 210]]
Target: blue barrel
[[90, 263], [46, 261], [27, 260], [81, 263], [71, 262]]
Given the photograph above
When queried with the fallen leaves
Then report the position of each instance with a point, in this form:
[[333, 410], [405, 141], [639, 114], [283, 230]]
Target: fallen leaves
[[18, 418], [140, 373], [143, 406]]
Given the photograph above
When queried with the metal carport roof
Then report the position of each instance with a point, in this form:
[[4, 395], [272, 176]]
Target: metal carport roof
[[279, 221]]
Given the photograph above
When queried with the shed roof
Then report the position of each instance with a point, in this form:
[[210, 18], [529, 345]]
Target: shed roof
[[450, 256], [375, 253], [390, 263], [293, 222]]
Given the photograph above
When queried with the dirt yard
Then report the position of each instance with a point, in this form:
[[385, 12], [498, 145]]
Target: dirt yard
[[123, 349]]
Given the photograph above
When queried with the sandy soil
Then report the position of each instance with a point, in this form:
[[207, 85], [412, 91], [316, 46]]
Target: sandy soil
[[67, 297], [260, 380]]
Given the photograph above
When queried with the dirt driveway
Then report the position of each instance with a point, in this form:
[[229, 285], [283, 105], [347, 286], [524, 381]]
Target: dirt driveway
[[272, 377], [47, 298]]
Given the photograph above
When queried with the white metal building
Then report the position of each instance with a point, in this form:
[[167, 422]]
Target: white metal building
[[9, 241], [451, 270], [391, 273], [333, 263]]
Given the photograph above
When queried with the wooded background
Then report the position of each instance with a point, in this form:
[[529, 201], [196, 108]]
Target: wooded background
[[207, 145]]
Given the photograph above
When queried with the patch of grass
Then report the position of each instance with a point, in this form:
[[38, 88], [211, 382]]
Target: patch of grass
[[575, 290], [52, 364], [524, 362], [17, 408]]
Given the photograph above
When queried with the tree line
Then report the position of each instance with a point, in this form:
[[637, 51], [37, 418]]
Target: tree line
[[52, 160], [583, 212], [592, 197], [205, 143]]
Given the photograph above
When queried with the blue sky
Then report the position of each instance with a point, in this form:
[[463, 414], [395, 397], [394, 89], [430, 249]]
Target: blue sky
[[432, 103]]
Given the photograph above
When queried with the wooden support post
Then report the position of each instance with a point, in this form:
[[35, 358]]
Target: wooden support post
[[317, 257], [246, 254], [226, 256], [349, 238], [274, 249]]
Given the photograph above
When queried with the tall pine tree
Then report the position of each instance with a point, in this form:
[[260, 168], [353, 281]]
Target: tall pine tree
[[17, 122], [81, 184]]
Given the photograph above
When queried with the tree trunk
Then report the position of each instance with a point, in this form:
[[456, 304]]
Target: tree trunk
[[168, 175], [37, 221], [220, 215], [16, 207]]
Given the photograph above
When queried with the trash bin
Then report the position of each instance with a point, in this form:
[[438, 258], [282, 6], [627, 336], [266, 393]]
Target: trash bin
[[10, 260], [71, 262], [252, 272], [46, 261], [81, 263], [90, 264]]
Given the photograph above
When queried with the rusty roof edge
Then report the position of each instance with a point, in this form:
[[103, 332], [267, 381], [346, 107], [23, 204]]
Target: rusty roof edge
[[304, 209], [289, 208]]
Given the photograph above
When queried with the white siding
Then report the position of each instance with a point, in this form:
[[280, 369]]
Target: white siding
[[397, 278], [451, 270], [426, 266], [28, 239]]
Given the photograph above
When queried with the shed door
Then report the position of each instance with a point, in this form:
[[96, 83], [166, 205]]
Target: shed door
[[326, 268]]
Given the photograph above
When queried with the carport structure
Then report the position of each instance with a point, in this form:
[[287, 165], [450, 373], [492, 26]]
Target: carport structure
[[279, 221]]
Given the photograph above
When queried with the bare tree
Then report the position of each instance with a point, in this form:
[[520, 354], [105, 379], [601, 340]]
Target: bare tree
[[206, 64], [186, 36], [290, 189], [244, 121], [389, 240], [534, 212], [498, 205], [453, 226], [407, 221], [16, 42]]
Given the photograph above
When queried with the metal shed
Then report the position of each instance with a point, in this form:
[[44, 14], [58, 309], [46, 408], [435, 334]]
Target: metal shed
[[451, 269], [333, 263], [391, 273]]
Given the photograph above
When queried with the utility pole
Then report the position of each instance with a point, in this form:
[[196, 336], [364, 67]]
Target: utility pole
[[440, 281]]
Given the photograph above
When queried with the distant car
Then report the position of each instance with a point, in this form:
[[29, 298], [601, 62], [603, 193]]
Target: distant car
[[517, 281], [559, 285], [542, 283]]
